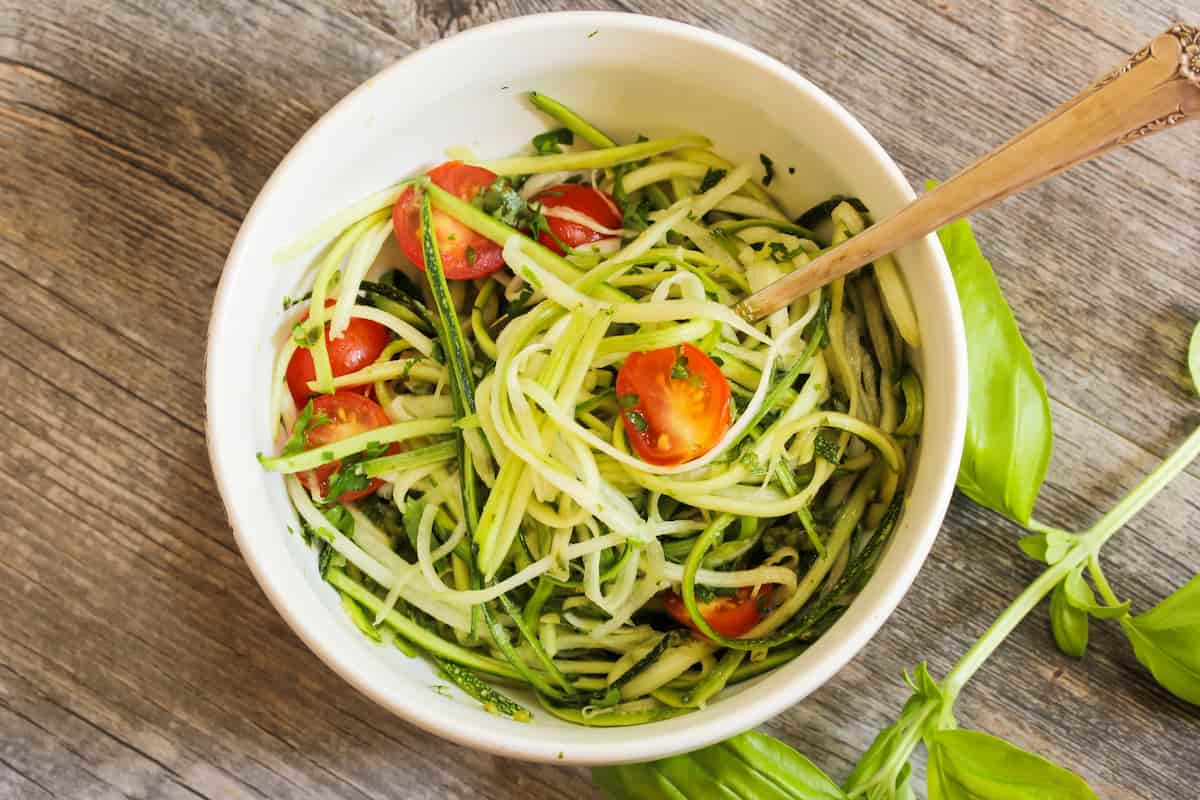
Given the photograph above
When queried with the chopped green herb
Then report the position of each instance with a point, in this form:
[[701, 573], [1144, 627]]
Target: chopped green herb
[[551, 141], [711, 179], [593, 33], [538, 224], [827, 449], [820, 212], [471, 255], [619, 194], [607, 699], [520, 303], [749, 459], [679, 370], [768, 167], [374, 450], [305, 336], [779, 252], [635, 216], [345, 479], [298, 441], [636, 420], [340, 518], [629, 400], [501, 201]]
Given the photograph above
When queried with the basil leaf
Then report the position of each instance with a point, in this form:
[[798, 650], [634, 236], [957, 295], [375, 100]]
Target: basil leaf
[[889, 744], [1068, 623], [1081, 596], [752, 766], [882, 751], [1166, 640], [1194, 358], [1009, 434], [904, 790], [1048, 546], [969, 765]]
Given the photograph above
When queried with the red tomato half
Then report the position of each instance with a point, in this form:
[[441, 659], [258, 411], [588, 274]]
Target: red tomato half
[[729, 615], [590, 202], [465, 253], [357, 347], [349, 414], [675, 403]]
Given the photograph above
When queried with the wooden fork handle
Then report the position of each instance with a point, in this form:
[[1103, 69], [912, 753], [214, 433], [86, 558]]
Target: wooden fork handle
[[1156, 89]]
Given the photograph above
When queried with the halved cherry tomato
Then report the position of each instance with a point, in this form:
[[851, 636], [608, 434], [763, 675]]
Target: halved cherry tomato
[[349, 414], [359, 346], [585, 200], [465, 253], [729, 615], [675, 403]]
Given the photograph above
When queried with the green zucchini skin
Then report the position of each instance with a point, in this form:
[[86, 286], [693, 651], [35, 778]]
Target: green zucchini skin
[[493, 701]]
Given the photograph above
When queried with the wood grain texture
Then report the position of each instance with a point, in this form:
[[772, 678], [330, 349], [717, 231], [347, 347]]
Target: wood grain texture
[[137, 656]]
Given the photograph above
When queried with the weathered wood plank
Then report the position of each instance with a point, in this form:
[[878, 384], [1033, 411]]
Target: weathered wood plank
[[146, 663]]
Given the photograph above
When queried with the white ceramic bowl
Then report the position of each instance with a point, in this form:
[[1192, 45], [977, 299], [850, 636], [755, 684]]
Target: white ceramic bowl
[[628, 74]]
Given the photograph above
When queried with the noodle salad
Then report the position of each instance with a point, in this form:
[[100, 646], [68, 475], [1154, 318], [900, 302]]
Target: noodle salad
[[529, 439]]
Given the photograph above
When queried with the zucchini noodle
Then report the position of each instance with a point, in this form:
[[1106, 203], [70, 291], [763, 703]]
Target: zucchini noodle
[[502, 512]]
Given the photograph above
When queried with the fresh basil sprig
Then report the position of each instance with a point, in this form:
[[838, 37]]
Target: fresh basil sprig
[[1166, 639], [1004, 463]]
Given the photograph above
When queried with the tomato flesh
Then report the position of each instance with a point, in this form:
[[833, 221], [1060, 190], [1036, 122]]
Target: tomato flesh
[[674, 403], [465, 253], [358, 346], [585, 200], [729, 615], [349, 414]]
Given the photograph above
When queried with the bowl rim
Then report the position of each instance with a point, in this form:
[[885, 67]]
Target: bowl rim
[[748, 714]]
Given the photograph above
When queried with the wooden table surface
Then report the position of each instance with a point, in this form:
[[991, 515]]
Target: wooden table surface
[[138, 658]]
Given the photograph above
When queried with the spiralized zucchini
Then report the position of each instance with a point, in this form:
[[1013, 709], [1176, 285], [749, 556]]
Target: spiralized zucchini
[[517, 534]]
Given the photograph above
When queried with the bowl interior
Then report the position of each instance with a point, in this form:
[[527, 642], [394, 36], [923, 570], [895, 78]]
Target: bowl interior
[[628, 75]]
